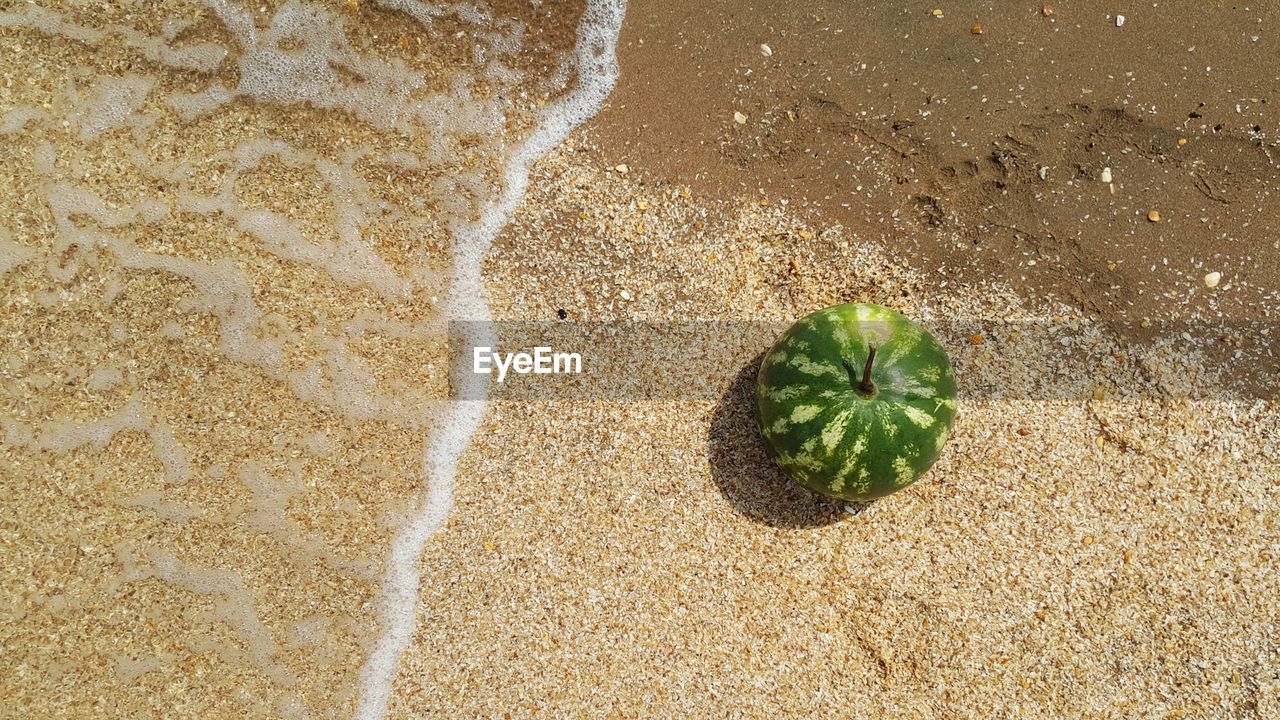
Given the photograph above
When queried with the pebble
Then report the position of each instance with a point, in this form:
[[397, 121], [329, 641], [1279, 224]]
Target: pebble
[[1212, 279], [765, 50], [739, 118], [937, 12], [1119, 21], [621, 168], [625, 295], [1106, 175], [1153, 215]]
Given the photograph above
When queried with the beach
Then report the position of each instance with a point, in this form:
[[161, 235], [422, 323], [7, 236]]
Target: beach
[[241, 479]]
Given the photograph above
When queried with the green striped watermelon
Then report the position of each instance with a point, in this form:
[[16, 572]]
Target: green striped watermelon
[[840, 430]]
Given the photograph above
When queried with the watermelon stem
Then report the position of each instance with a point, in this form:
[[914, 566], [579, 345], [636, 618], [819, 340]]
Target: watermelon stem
[[866, 386]]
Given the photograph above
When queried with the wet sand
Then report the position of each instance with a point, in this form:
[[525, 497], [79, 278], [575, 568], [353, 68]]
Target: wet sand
[[931, 138]]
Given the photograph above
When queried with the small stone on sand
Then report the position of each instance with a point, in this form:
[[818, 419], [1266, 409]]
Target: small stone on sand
[[1153, 215], [1106, 175], [1212, 279], [765, 50], [739, 118]]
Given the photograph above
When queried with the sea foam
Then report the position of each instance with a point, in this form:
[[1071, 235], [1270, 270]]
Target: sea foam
[[597, 72]]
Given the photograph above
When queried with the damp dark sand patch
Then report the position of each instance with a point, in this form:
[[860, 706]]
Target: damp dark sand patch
[[983, 157]]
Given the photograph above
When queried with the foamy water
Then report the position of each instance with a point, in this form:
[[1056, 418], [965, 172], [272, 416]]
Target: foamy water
[[597, 68], [234, 237]]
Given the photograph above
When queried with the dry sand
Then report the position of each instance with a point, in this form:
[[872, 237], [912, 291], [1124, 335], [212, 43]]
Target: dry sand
[[188, 536], [1110, 556]]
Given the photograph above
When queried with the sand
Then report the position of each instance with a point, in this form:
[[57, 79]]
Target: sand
[[1104, 556], [932, 140], [196, 522]]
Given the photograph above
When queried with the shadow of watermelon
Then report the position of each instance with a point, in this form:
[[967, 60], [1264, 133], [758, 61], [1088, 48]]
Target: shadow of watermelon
[[744, 472]]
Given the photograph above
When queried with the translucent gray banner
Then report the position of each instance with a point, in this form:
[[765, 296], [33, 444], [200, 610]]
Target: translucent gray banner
[[1051, 360]]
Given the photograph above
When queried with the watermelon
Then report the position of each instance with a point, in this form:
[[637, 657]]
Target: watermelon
[[855, 401]]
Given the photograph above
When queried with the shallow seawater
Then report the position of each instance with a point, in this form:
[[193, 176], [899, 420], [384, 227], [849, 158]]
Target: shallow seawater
[[231, 238]]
